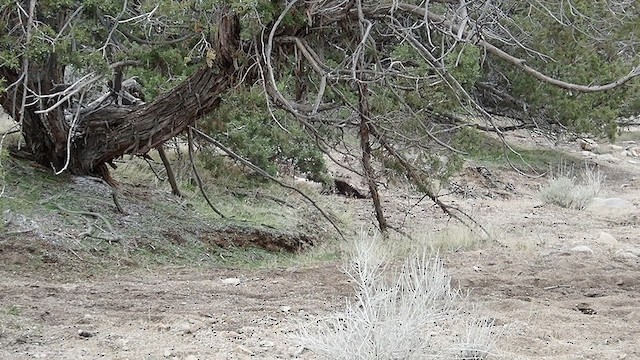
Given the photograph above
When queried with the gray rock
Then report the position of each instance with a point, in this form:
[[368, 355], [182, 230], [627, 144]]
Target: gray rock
[[582, 249], [626, 255], [296, 351], [231, 281], [607, 157], [613, 203], [245, 350], [606, 239], [629, 253]]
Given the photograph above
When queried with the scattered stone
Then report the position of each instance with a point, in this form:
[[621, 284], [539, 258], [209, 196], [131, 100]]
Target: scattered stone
[[69, 287], [582, 249], [266, 343], [629, 253], [245, 350], [235, 335], [296, 351], [633, 317], [606, 239], [231, 281], [86, 319], [184, 328], [633, 151], [634, 250], [587, 144], [285, 308], [608, 157], [614, 203], [586, 309], [85, 333], [191, 357], [167, 353], [626, 255]]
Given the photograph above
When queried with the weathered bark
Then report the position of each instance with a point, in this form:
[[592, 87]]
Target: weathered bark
[[170, 176], [365, 145], [114, 131], [107, 133]]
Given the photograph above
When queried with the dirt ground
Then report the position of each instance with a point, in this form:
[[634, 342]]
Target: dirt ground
[[560, 284]]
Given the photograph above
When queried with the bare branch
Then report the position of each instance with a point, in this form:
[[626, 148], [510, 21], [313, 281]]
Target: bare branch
[[521, 63]]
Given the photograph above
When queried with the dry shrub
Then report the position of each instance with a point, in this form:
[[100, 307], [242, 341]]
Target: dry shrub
[[572, 192], [405, 312]]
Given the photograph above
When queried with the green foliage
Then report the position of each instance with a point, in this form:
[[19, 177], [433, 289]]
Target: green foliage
[[464, 65], [161, 69], [484, 148], [13, 310], [584, 53], [254, 14], [243, 122]]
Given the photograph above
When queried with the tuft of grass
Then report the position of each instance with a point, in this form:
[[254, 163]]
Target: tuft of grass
[[572, 192], [628, 136], [13, 310], [454, 237], [485, 149], [157, 229], [405, 312], [477, 340]]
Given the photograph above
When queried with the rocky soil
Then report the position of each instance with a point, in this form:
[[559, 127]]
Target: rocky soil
[[560, 284]]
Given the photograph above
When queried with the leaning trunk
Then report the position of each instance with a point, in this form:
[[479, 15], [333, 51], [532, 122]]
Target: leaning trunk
[[106, 133]]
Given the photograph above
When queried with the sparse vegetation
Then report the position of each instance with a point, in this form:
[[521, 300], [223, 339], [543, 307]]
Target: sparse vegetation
[[13, 310], [572, 191], [484, 148], [157, 229], [408, 312]]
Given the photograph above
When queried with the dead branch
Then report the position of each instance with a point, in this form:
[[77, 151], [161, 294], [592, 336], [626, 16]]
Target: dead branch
[[197, 174], [170, 176], [265, 174], [520, 63]]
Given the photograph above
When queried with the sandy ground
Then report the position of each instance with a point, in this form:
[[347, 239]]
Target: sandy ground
[[557, 287]]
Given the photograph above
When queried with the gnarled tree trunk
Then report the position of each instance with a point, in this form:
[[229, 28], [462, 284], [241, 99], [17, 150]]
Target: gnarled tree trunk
[[106, 133]]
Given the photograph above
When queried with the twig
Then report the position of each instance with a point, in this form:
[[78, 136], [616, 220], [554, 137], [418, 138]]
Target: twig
[[197, 175], [16, 232], [170, 176], [75, 253], [556, 287], [87, 213], [266, 175]]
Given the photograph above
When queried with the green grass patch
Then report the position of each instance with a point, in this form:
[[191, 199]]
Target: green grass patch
[[628, 136], [13, 310], [68, 225], [487, 150]]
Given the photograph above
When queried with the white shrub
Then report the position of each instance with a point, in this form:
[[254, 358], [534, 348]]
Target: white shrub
[[406, 312]]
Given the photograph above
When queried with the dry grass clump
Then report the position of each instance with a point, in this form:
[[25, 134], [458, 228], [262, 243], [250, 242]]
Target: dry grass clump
[[572, 192], [409, 311]]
